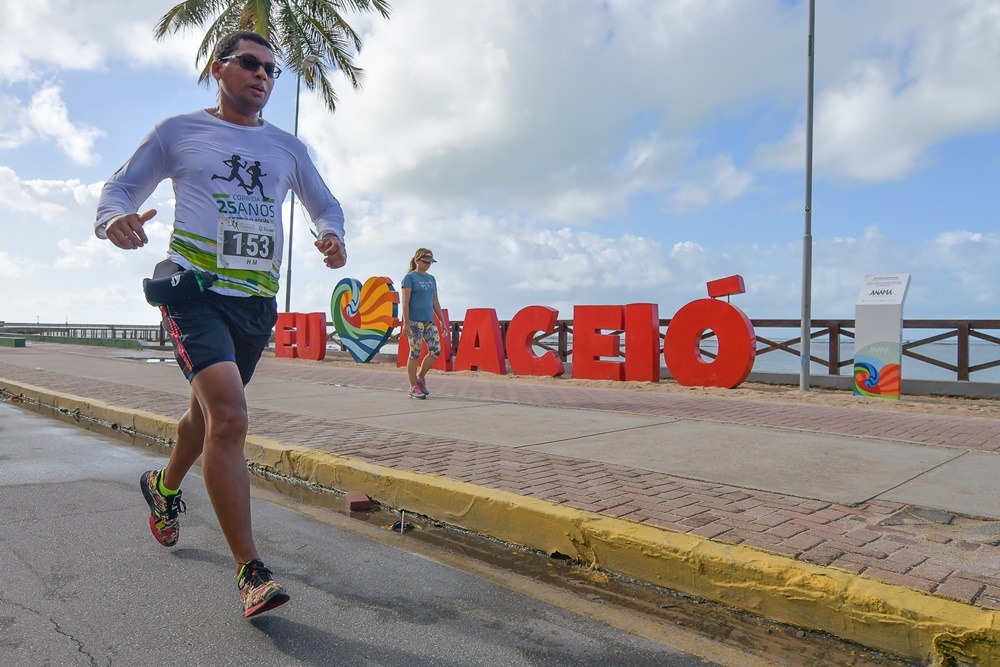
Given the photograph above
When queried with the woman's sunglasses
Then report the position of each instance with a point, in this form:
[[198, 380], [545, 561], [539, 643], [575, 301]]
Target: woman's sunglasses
[[251, 64]]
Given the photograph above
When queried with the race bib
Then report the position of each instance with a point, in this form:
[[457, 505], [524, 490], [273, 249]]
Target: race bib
[[243, 244]]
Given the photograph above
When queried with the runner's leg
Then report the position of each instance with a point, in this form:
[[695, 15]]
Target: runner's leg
[[189, 445], [219, 391]]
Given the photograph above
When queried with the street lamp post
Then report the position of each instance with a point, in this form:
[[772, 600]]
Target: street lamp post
[[307, 62], [807, 242]]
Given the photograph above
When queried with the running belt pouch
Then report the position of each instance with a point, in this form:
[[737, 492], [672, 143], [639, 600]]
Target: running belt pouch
[[173, 286]]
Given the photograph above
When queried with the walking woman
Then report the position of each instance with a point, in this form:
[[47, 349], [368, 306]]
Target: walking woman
[[420, 305]]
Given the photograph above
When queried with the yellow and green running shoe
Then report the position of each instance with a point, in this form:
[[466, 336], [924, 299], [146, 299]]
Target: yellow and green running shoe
[[258, 590], [163, 510]]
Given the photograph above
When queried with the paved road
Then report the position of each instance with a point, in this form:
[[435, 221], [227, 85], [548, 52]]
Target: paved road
[[85, 584]]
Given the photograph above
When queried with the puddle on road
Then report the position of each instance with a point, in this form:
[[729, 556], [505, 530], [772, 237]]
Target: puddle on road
[[781, 644], [147, 360]]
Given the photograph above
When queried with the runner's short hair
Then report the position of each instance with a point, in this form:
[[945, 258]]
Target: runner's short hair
[[228, 43]]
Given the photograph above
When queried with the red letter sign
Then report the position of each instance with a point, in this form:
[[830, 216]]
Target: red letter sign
[[310, 336], [300, 336], [481, 346], [589, 344], [284, 335], [737, 345], [521, 333], [642, 342]]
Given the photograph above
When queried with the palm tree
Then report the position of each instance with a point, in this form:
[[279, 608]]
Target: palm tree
[[296, 28]]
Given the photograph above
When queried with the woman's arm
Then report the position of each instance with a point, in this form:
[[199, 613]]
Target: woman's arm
[[405, 302], [437, 311]]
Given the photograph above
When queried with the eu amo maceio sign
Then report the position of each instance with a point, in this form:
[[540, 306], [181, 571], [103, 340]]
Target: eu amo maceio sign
[[364, 316]]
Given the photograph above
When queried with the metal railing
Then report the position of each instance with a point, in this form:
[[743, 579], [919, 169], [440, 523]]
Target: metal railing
[[143, 333], [835, 334]]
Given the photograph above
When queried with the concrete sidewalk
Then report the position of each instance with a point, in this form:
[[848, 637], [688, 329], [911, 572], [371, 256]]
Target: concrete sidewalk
[[880, 527]]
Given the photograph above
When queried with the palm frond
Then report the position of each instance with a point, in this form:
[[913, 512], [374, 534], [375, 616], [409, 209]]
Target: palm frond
[[295, 28], [187, 14], [365, 6], [223, 24]]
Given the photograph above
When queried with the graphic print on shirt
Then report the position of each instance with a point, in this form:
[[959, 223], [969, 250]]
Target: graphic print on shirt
[[234, 174], [247, 221]]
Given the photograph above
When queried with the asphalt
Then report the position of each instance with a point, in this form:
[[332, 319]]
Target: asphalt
[[878, 527]]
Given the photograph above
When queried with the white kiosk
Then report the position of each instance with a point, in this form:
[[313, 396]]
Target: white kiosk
[[878, 335]]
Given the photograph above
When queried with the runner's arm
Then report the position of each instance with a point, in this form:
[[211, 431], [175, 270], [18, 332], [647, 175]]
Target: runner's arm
[[132, 184]]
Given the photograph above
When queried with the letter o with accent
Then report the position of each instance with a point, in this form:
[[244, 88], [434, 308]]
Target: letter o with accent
[[737, 345]]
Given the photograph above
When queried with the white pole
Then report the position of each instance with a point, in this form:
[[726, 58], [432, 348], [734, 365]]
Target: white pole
[[291, 211], [806, 334], [308, 61]]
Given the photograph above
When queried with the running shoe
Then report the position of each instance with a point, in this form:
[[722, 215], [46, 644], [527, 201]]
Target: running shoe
[[416, 393], [258, 590], [163, 510], [422, 386]]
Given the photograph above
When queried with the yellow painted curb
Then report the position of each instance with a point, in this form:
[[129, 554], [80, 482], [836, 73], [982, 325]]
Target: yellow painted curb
[[79, 408], [882, 616]]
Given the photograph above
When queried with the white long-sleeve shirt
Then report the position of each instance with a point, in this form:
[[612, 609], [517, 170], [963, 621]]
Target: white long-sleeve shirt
[[229, 182]]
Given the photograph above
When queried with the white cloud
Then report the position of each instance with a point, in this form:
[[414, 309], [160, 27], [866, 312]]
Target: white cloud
[[14, 266], [518, 107], [969, 261], [54, 265], [952, 275], [46, 117], [15, 130], [722, 182], [47, 41], [92, 253], [894, 84], [49, 118], [30, 196], [62, 35]]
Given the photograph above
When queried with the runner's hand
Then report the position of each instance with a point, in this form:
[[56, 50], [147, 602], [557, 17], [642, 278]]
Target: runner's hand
[[333, 249], [126, 231]]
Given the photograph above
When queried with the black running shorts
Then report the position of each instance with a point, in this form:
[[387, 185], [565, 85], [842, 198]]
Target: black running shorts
[[218, 328]]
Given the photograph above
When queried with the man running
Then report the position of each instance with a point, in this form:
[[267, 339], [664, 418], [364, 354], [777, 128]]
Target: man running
[[219, 336]]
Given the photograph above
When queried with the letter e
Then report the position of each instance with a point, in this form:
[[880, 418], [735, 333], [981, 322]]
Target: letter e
[[285, 335], [589, 344]]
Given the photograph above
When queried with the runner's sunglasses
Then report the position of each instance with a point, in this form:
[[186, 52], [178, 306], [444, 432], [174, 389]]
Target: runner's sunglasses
[[251, 64]]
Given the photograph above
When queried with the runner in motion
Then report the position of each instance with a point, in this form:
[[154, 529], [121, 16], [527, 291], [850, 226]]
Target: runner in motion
[[219, 336]]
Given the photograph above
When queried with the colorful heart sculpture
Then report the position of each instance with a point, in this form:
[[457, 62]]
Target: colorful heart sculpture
[[364, 315]]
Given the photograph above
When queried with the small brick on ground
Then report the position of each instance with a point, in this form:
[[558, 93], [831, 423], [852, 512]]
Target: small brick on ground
[[358, 501]]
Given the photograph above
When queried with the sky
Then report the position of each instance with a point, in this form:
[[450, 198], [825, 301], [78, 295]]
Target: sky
[[553, 153]]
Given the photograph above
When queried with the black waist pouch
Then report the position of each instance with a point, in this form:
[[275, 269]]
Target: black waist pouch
[[173, 286]]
